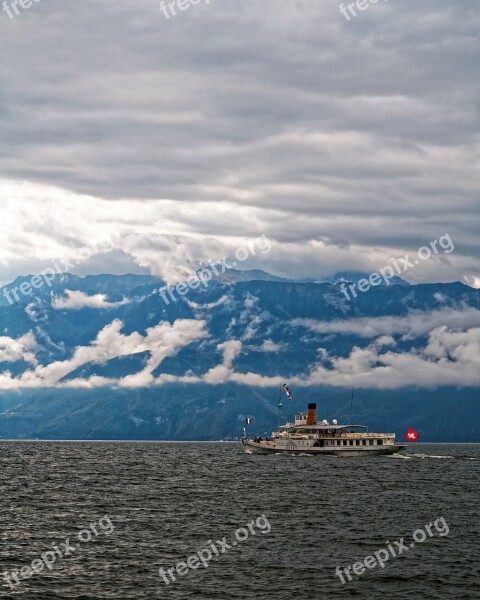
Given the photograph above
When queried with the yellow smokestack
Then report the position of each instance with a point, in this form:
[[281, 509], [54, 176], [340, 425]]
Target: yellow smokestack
[[312, 414]]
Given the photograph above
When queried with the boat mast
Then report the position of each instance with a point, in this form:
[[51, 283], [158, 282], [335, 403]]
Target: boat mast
[[351, 406], [279, 405]]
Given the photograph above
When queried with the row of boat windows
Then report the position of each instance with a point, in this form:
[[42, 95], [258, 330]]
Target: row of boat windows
[[353, 442], [379, 442]]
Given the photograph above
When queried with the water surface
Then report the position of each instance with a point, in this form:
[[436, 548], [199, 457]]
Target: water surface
[[167, 500]]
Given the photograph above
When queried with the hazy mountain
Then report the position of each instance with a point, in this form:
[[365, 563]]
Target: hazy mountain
[[356, 276], [235, 275]]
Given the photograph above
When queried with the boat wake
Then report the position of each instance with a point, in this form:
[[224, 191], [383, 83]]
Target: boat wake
[[421, 456], [439, 456], [431, 456]]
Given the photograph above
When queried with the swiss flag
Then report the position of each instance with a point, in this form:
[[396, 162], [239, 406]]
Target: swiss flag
[[411, 435]]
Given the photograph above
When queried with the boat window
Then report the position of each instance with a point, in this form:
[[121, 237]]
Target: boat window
[[380, 442], [370, 442]]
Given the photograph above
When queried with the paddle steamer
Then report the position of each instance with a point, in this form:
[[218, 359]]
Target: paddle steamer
[[307, 436]]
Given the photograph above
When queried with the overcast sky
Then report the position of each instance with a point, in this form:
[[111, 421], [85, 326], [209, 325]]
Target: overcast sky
[[153, 142]]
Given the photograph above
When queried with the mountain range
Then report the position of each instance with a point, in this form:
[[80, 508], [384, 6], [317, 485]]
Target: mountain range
[[107, 357]]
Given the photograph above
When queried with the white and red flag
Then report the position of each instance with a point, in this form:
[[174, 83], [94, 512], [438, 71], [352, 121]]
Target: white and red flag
[[249, 420], [287, 391], [411, 435]]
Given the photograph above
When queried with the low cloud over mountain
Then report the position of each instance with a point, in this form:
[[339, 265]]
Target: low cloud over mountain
[[422, 335]]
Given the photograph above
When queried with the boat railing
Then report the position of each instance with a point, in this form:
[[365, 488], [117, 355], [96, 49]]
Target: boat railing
[[333, 436], [362, 435]]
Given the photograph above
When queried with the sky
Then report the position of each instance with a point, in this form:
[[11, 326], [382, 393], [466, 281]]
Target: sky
[[135, 143]]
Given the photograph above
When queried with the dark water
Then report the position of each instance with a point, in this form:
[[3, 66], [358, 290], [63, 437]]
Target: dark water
[[166, 501]]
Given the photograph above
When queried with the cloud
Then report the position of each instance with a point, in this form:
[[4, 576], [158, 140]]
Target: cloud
[[160, 341], [270, 346], [316, 137], [450, 358], [195, 305], [254, 379], [76, 300], [415, 324], [22, 348], [222, 373], [473, 282]]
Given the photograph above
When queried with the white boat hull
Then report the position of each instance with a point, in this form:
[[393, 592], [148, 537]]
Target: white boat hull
[[252, 447]]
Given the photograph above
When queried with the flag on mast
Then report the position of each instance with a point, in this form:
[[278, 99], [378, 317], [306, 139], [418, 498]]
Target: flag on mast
[[249, 420], [287, 391]]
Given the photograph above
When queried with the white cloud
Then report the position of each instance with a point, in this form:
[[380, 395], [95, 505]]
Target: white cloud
[[254, 379], [21, 348], [163, 340], [76, 300], [195, 305], [270, 346], [450, 358], [221, 373], [473, 281], [415, 324], [160, 236]]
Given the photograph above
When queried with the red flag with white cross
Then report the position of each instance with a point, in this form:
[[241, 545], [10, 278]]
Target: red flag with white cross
[[411, 435]]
